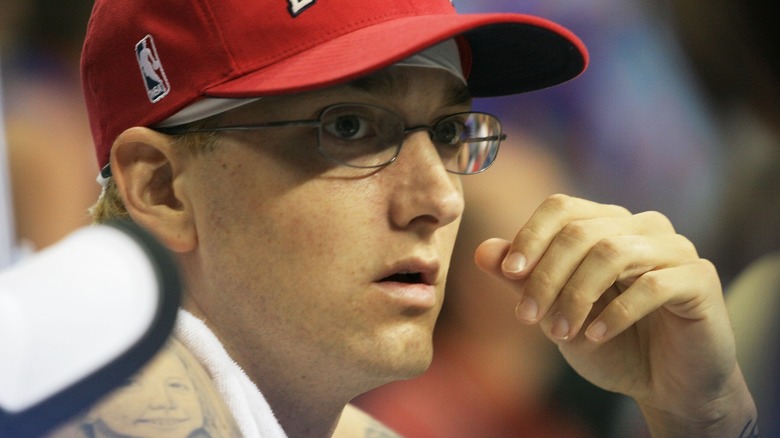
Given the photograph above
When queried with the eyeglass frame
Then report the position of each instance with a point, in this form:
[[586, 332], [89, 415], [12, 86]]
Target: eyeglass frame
[[318, 123]]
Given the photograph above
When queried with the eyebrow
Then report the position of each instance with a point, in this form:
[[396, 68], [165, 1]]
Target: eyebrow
[[384, 83]]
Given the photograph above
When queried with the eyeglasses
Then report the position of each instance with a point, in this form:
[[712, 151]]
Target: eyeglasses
[[368, 136]]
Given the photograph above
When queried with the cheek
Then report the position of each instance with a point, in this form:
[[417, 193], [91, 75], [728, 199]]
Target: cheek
[[327, 231], [282, 235], [302, 256], [122, 412]]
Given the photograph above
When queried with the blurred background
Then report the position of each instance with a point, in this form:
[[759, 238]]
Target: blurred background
[[49, 145], [678, 112]]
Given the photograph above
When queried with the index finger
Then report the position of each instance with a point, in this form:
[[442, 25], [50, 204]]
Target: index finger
[[533, 239]]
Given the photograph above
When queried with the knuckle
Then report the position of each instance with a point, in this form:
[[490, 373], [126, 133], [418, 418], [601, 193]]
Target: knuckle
[[575, 296], [621, 309], [540, 281], [708, 271], [576, 231], [687, 247], [607, 250], [559, 201], [652, 282], [527, 235], [658, 219], [707, 266], [620, 210]]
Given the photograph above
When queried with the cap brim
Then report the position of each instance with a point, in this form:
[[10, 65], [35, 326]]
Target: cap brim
[[510, 53]]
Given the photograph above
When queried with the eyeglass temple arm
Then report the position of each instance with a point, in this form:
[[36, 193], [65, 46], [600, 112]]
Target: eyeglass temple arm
[[183, 129]]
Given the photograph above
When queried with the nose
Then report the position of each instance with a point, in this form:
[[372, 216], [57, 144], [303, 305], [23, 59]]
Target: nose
[[159, 398], [424, 193]]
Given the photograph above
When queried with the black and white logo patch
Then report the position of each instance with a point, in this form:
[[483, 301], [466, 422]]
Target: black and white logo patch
[[298, 6], [156, 82]]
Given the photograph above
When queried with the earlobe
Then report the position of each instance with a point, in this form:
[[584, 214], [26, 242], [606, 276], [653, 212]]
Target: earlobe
[[146, 170]]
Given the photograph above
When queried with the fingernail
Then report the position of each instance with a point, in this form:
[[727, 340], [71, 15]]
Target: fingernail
[[527, 310], [596, 331], [560, 328], [514, 262]]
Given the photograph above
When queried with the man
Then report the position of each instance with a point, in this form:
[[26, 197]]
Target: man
[[303, 161]]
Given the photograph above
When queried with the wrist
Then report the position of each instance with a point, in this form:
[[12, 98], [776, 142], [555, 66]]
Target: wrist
[[731, 414]]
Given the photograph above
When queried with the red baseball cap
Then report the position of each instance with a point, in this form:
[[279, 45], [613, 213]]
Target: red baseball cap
[[144, 60]]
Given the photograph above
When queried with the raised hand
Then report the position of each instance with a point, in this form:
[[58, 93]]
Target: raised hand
[[633, 308]]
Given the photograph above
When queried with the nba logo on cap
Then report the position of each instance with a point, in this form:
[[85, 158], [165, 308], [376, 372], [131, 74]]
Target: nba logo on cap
[[152, 72]]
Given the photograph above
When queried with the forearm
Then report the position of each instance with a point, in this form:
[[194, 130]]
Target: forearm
[[730, 415]]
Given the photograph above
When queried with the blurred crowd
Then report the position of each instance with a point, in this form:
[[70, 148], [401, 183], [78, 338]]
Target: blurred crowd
[[679, 112], [50, 154]]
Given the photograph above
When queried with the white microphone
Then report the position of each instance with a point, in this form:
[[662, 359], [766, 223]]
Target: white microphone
[[77, 319]]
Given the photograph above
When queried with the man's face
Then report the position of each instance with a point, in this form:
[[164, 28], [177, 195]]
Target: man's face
[[304, 266]]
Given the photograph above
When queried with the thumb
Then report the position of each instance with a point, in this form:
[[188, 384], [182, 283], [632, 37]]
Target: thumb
[[490, 255]]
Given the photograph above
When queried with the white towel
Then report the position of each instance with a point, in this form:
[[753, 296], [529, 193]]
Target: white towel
[[250, 409]]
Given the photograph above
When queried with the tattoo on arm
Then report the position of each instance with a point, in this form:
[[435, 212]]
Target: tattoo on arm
[[172, 395]]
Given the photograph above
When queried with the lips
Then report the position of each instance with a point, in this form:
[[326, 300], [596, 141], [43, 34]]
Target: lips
[[411, 283], [412, 271], [161, 422]]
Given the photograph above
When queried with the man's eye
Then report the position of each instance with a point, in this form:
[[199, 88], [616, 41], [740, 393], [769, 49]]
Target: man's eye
[[348, 127], [448, 132]]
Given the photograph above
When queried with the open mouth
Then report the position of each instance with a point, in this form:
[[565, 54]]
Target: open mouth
[[411, 286], [405, 277]]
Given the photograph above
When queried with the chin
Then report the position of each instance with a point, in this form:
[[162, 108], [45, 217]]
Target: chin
[[399, 355], [383, 376]]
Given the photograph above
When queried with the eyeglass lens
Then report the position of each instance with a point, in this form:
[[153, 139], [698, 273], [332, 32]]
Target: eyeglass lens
[[368, 136]]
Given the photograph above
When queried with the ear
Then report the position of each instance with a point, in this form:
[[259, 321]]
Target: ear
[[148, 173]]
